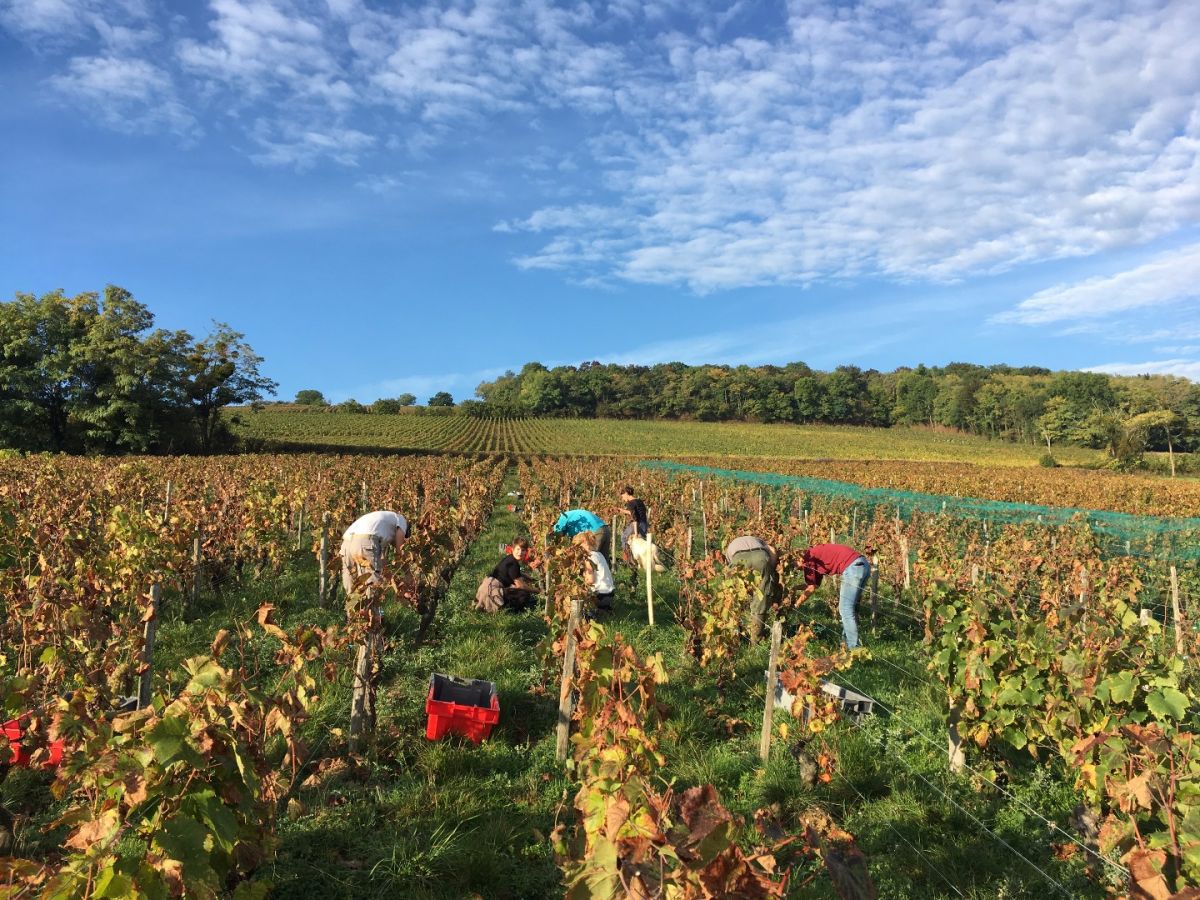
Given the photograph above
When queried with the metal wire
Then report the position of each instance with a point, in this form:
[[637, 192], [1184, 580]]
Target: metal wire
[[1025, 806], [925, 859]]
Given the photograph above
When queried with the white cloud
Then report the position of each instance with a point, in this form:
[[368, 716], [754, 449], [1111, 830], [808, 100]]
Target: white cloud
[[716, 146], [1170, 278], [302, 149], [129, 95], [1184, 368]]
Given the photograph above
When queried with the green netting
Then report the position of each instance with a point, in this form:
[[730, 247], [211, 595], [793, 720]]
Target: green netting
[[1160, 536]]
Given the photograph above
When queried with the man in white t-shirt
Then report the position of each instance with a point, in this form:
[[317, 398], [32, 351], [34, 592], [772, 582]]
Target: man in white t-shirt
[[363, 543]]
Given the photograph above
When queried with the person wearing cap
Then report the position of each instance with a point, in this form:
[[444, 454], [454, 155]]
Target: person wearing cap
[[577, 521], [755, 554], [820, 560], [363, 543]]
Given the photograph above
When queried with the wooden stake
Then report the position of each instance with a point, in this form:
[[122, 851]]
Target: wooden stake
[[649, 580], [360, 701], [764, 741], [167, 506], [689, 544], [874, 585], [300, 526], [1175, 611], [612, 543], [196, 559], [548, 596], [323, 574], [363, 503], [148, 637], [907, 563], [563, 731], [954, 750]]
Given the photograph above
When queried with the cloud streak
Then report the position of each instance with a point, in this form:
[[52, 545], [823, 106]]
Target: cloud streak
[[1170, 278]]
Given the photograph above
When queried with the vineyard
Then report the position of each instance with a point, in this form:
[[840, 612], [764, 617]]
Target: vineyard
[[328, 430], [229, 723]]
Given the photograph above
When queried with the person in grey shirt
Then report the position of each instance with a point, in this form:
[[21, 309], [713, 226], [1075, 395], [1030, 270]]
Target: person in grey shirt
[[750, 552]]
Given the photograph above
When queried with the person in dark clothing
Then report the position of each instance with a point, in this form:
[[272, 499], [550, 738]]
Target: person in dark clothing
[[639, 519], [518, 592]]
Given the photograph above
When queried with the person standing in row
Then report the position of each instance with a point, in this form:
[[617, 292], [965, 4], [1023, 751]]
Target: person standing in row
[[578, 521], [639, 520], [363, 543], [820, 560], [759, 557]]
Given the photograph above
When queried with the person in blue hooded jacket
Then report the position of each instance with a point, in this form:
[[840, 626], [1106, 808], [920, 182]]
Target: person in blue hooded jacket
[[577, 521]]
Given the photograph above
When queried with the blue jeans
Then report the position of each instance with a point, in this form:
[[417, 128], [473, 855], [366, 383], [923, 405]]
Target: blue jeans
[[854, 579]]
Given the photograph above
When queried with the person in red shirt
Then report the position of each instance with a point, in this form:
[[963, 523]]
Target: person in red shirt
[[838, 559]]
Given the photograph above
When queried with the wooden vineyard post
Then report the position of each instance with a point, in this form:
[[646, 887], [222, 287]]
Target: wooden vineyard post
[[704, 530], [874, 586], [362, 698], [167, 505], [649, 581], [1083, 586], [300, 526], [548, 598], [689, 543], [954, 748], [612, 543], [363, 503], [149, 635], [764, 741], [907, 563], [831, 536], [854, 525], [196, 561], [974, 573], [1175, 611], [563, 731], [323, 562], [760, 506]]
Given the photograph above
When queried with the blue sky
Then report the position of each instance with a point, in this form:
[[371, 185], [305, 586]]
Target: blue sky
[[388, 197]]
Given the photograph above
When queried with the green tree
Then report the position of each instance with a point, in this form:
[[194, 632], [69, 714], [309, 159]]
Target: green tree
[[916, 392], [441, 398], [385, 406], [1057, 422], [311, 397], [407, 399], [1163, 421], [220, 371]]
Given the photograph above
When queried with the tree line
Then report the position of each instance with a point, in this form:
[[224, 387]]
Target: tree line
[[1121, 414], [90, 373]]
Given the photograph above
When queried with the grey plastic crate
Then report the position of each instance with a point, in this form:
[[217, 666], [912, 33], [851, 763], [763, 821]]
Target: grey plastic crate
[[854, 704]]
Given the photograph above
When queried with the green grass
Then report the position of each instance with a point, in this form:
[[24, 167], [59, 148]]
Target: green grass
[[451, 433], [450, 819]]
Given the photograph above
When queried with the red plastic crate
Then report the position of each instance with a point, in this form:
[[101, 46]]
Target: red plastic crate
[[14, 730], [461, 706]]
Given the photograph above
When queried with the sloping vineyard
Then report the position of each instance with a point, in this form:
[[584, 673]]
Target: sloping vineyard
[[1035, 694], [315, 428]]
